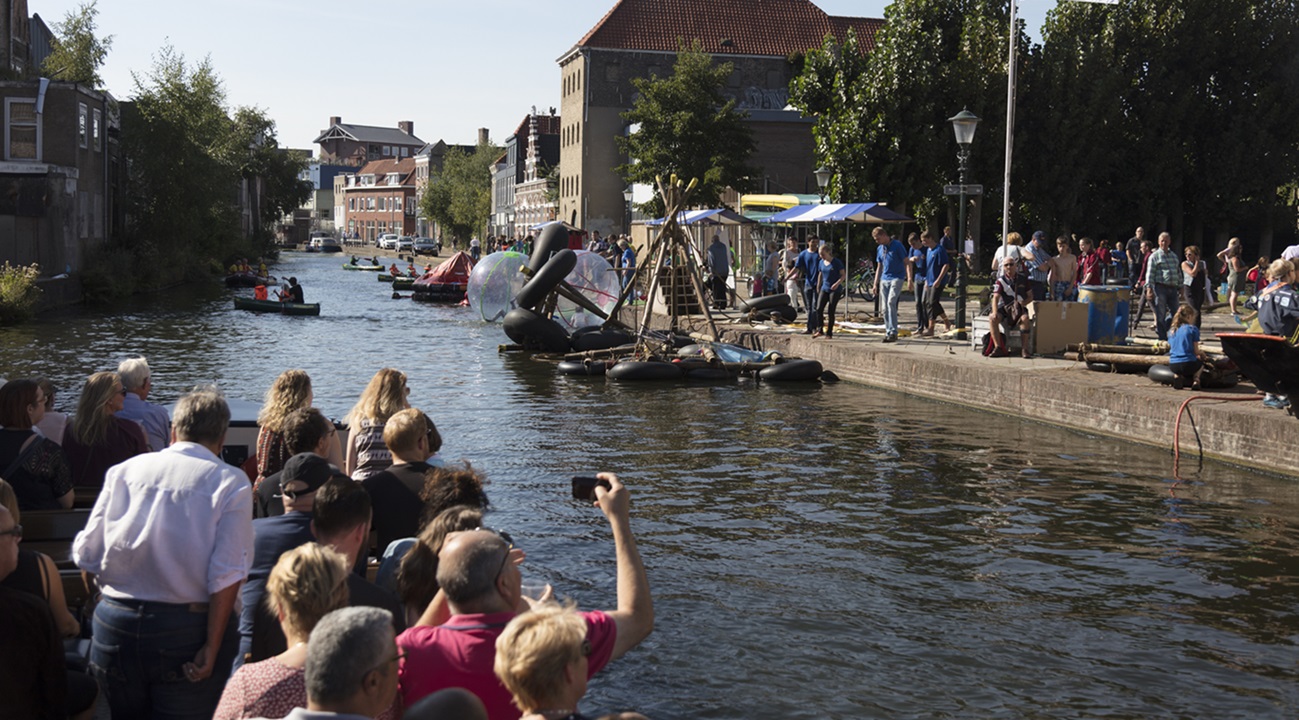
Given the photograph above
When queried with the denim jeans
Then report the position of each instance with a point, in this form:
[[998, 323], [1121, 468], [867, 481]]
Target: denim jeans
[[891, 293], [1166, 299], [922, 309], [809, 300], [138, 652]]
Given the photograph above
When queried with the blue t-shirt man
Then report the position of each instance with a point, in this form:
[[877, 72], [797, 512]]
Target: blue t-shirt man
[[1181, 344], [809, 263], [891, 259], [936, 258]]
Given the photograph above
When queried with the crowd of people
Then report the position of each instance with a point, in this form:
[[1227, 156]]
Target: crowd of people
[[221, 593]]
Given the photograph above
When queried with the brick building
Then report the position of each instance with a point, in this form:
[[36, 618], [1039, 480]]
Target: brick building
[[640, 38], [348, 144], [379, 198], [520, 181]]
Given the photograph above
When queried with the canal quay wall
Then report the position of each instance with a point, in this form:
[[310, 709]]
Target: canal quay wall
[[1051, 390]]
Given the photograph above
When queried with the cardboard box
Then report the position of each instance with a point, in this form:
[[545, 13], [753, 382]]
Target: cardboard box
[[1057, 324], [979, 329]]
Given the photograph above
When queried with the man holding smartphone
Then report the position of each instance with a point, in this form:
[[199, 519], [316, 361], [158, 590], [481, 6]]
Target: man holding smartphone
[[478, 574]]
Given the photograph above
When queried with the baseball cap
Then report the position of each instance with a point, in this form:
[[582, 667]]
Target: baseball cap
[[308, 468], [1039, 235]]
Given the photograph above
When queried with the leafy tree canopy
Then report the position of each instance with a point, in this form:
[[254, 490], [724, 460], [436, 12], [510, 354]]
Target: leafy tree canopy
[[459, 196], [684, 125], [78, 54]]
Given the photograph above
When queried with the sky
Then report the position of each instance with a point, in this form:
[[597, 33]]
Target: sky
[[476, 64]]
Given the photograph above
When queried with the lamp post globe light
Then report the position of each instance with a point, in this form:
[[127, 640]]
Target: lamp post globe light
[[627, 197], [822, 174], [964, 124]]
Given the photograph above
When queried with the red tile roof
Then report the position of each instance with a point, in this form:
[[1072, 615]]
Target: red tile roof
[[380, 168], [546, 125], [740, 27]]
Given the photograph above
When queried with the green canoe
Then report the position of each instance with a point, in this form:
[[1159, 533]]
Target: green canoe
[[275, 306]]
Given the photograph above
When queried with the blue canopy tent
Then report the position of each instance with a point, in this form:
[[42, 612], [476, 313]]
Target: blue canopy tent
[[714, 216], [873, 213]]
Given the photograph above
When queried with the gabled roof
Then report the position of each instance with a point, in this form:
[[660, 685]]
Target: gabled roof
[[441, 148], [405, 167], [724, 27], [368, 134]]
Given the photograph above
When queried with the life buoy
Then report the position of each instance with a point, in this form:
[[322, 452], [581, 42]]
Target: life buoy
[[765, 302], [532, 330], [644, 370], [599, 339], [786, 313], [550, 241], [1100, 367], [573, 367], [792, 371], [546, 279]]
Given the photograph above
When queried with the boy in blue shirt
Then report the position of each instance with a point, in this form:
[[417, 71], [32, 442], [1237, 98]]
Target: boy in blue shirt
[[809, 266], [891, 259], [938, 268]]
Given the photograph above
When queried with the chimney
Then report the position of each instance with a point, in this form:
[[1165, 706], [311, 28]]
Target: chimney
[[406, 126], [335, 120], [484, 136]]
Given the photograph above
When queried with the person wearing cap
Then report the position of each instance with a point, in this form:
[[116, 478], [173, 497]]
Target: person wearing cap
[[169, 542], [1037, 260], [301, 477]]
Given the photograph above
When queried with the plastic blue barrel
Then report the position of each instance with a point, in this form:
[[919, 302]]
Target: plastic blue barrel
[[1107, 313]]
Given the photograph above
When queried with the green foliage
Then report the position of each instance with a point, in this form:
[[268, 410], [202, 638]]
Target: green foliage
[[78, 54], [1148, 109], [188, 156], [459, 197], [687, 127], [18, 292], [882, 118]]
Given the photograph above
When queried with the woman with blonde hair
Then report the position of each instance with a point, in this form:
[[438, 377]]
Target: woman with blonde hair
[[290, 391], [1194, 280], [307, 583], [97, 439], [385, 396], [543, 659], [1233, 257]]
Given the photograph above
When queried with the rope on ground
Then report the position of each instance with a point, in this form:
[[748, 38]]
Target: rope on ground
[[1177, 428]]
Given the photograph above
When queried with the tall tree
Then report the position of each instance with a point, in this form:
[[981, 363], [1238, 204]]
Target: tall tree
[[78, 53], [459, 197], [684, 125], [253, 149], [830, 88]]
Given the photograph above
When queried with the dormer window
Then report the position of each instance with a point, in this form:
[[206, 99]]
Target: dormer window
[[394, 178]]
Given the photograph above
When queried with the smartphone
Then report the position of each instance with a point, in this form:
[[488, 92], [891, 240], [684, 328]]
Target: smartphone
[[584, 487]]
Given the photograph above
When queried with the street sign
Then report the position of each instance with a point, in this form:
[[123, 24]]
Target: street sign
[[962, 189]]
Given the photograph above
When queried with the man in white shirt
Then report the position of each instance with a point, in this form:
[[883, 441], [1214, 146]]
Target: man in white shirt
[[137, 381], [169, 542]]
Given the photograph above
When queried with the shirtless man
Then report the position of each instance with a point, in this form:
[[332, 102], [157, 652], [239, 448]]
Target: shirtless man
[[1064, 273]]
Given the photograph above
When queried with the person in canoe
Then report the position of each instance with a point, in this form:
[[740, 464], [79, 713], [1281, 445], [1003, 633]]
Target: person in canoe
[[393, 271], [293, 294], [410, 269], [259, 293], [353, 259]]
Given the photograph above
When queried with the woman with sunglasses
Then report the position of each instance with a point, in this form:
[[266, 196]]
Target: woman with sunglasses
[[97, 439], [37, 468]]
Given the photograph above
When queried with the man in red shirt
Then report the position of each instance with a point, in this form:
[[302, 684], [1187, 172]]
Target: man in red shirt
[[1089, 264], [478, 574]]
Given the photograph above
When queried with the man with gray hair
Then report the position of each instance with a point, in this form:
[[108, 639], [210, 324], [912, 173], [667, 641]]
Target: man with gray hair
[[351, 668], [169, 542], [137, 381]]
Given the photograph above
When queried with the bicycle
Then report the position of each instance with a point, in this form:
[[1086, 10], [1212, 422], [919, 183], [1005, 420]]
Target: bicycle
[[861, 284]]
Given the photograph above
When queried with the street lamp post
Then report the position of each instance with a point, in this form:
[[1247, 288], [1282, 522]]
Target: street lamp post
[[963, 125], [626, 197]]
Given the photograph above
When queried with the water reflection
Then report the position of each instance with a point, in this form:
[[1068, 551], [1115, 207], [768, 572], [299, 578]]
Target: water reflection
[[814, 552]]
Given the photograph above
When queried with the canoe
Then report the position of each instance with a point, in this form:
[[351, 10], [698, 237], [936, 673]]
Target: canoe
[[385, 277], [275, 306], [403, 283], [368, 268]]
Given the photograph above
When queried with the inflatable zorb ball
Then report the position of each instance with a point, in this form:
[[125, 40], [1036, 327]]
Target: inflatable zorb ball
[[494, 282], [596, 280]]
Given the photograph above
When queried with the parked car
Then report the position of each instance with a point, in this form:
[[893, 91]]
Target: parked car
[[405, 243], [387, 241], [426, 246]]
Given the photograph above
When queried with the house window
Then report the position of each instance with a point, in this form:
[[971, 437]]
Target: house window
[[387, 150], [405, 152], [97, 120], [397, 203], [83, 125], [351, 203], [22, 130]]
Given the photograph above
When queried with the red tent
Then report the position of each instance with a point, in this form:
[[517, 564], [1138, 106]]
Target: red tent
[[454, 271]]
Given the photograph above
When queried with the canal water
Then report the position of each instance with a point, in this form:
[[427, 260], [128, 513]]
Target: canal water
[[832, 551]]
